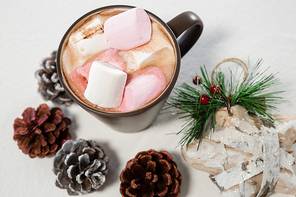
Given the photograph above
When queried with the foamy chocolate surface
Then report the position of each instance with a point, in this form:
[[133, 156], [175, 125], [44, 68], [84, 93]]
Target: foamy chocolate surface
[[158, 54]]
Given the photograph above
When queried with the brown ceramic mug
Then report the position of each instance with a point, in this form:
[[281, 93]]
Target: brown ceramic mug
[[187, 27]]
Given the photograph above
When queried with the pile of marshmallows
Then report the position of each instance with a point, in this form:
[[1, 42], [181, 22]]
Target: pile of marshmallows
[[106, 82]]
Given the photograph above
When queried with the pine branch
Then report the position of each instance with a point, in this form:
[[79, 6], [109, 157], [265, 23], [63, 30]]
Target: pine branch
[[200, 115]]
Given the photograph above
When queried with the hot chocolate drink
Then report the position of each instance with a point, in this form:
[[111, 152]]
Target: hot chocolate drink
[[143, 72]]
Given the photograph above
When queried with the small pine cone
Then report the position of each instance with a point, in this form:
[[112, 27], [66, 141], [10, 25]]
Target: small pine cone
[[41, 132], [50, 87], [80, 166], [150, 174]]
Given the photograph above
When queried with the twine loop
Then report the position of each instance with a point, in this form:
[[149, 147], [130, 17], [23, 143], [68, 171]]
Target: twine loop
[[235, 60]]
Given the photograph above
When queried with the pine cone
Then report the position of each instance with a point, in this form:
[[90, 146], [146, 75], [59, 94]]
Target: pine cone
[[80, 166], [50, 87], [149, 174], [42, 132]]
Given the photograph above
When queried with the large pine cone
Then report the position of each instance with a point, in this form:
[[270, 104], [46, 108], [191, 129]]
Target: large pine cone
[[150, 174], [80, 166], [41, 132], [50, 87]]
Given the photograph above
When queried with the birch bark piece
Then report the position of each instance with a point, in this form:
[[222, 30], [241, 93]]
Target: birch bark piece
[[219, 154], [238, 174], [271, 157]]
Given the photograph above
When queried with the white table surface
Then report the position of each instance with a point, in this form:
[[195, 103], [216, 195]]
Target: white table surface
[[30, 30]]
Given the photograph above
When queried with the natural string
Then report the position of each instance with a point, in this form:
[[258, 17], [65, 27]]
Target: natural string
[[235, 60]]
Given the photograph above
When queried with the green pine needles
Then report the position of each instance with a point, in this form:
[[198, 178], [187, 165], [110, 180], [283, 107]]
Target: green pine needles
[[199, 104]]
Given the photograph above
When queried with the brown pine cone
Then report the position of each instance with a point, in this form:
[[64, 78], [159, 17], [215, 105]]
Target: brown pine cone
[[80, 166], [50, 87], [150, 174], [41, 132]]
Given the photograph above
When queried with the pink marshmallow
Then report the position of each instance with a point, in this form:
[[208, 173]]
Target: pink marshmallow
[[141, 89], [109, 56], [79, 75], [79, 80], [128, 30]]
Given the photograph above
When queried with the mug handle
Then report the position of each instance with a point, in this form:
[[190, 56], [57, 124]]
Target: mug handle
[[190, 25]]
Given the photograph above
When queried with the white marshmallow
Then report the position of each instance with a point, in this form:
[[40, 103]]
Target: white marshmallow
[[140, 56], [105, 85], [89, 40]]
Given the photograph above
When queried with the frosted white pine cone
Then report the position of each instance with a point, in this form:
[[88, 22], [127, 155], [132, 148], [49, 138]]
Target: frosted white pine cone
[[50, 87], [80, 166]]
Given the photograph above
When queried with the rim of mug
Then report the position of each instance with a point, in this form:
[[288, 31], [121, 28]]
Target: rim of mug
[[164, 93]]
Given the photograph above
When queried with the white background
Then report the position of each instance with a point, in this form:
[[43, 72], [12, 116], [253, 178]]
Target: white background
[[30, 30]]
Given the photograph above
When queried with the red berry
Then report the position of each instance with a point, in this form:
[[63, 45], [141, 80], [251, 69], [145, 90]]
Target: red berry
[[204, 99], [215, 89], [197, 80]]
